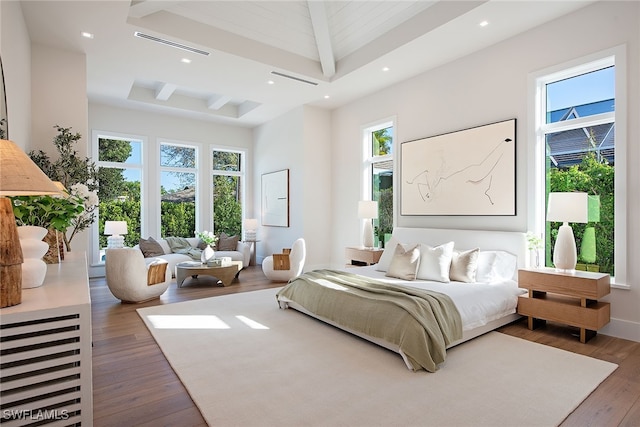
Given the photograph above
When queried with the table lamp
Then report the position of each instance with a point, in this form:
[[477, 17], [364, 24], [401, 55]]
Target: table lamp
[[115, 229], [367, 210], [250, 229], [565, 208], [19, 176]]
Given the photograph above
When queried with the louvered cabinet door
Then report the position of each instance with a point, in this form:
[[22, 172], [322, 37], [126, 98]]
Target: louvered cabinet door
[[45, 352]]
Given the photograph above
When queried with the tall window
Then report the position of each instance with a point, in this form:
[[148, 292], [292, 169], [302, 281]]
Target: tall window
[[228, 194], [120, 184], [577, 132], [178, 190], [379, 176]]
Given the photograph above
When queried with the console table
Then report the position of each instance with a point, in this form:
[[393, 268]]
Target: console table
[[569, 298], [46, 348]]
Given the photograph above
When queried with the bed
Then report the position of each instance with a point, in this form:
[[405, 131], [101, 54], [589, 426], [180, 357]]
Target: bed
[[472, 295]]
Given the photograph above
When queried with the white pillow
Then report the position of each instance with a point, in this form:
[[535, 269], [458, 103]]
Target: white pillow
[[496, 266], [464, 265], [435, 262], [404, 264]]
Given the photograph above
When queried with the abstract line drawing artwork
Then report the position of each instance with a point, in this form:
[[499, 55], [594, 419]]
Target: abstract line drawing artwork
[[275, 198], [468, 172]]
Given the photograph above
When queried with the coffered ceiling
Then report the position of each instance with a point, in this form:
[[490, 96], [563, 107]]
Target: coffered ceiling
[[246, 62]]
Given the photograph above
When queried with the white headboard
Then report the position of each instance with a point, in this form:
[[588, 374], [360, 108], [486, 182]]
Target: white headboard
[[509, 241]]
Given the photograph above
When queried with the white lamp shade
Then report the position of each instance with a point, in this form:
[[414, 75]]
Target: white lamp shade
[[251, 224], [115, 228], [367, 209], [568, 207]]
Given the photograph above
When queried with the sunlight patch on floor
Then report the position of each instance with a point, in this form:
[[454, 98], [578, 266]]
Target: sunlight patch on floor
[[184, 321]]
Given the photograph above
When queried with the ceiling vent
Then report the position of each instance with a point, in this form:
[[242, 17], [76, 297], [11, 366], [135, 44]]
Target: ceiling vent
[[170, 43], [294, 78]]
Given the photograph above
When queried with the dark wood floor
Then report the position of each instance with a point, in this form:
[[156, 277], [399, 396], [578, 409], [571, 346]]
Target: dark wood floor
[[133, 384]]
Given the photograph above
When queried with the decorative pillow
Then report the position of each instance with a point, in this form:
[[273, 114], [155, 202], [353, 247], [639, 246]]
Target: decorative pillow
[[464, 265], [389, 251], [404, 264], [150, 247], [226, 243], [496, 266], [435, 262]]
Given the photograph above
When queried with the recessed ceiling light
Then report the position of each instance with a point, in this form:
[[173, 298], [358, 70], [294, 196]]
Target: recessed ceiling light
[[484, 23], [86, 35], [385, 68], [270, 82], [186, 60], [327, 97]]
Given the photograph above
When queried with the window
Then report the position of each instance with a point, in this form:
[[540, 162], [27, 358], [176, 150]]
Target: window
[[120, 171], [228, 191], [378, 148], [178, 190], [578, 142]]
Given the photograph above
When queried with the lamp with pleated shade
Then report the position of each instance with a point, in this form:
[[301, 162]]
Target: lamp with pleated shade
[[19, 176]]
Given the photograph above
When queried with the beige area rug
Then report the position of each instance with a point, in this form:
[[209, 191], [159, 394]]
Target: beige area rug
[[245, 362]]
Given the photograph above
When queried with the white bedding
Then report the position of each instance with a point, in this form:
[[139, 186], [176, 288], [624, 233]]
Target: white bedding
[[478, 303]]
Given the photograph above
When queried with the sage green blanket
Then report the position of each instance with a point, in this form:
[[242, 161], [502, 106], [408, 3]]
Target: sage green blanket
[[421, 323], [180, 245]]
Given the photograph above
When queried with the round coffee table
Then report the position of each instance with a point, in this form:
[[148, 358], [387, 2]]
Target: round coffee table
[[223, 274]]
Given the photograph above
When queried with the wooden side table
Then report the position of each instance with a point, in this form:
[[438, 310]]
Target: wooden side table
[[363, 256], [565, 297]]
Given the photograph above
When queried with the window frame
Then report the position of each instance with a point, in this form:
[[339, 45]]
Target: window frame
[[537, 151], [96, 135], [242, 174], [368, 159]]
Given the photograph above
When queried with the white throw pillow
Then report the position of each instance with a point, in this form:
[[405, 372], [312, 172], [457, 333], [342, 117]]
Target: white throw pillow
[[464, 265], [435, 262], [496, 266], [404, 264]]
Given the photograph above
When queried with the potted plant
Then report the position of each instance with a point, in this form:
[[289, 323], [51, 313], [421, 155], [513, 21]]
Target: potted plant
[[534, 244]]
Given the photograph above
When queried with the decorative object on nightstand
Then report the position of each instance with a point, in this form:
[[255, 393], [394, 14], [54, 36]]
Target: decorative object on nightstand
[[19, 176], [115, 229], [569, 298], [565, 208], [362, 256], [367, 210]]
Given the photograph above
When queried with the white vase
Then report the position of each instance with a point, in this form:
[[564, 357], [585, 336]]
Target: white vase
[[207, 254], [33, 249]]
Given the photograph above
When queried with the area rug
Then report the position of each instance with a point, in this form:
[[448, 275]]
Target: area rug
[[245, 362]]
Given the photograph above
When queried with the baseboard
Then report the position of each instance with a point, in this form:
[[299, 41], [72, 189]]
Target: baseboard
[[620, 328]]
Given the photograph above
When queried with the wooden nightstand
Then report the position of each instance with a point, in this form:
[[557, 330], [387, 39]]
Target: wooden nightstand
[[569, 298], [363, 256]]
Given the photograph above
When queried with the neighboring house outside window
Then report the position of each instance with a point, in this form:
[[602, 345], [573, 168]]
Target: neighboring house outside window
[[577, 120], [378, 185]]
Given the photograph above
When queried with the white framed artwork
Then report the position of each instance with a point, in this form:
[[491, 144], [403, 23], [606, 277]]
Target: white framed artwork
[[468, 172], [275, 198]]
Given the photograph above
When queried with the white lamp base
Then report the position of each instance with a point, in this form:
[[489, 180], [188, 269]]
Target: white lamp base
[[367, 237], [115, 242], [565, 255]]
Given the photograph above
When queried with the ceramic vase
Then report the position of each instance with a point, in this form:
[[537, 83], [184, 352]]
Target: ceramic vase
[[207, 254], [33, 249]]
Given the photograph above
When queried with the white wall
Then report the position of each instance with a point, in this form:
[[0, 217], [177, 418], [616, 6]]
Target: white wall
[[15, 49], [298, 141], [485, 87]]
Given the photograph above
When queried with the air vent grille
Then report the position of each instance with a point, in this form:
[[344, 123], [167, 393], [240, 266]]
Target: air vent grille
[[294, 78], [170, 43]]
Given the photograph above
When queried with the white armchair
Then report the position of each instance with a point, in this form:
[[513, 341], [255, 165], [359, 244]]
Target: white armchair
[[131, 280], [277, 273]]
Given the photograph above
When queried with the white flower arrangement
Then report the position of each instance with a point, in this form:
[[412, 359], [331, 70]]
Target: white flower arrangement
[[534, 241], [207, 237]]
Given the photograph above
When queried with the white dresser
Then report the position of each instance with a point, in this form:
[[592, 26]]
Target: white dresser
[[45, 350]]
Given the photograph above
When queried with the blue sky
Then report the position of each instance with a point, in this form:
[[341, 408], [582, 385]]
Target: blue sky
[[584, 89]]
